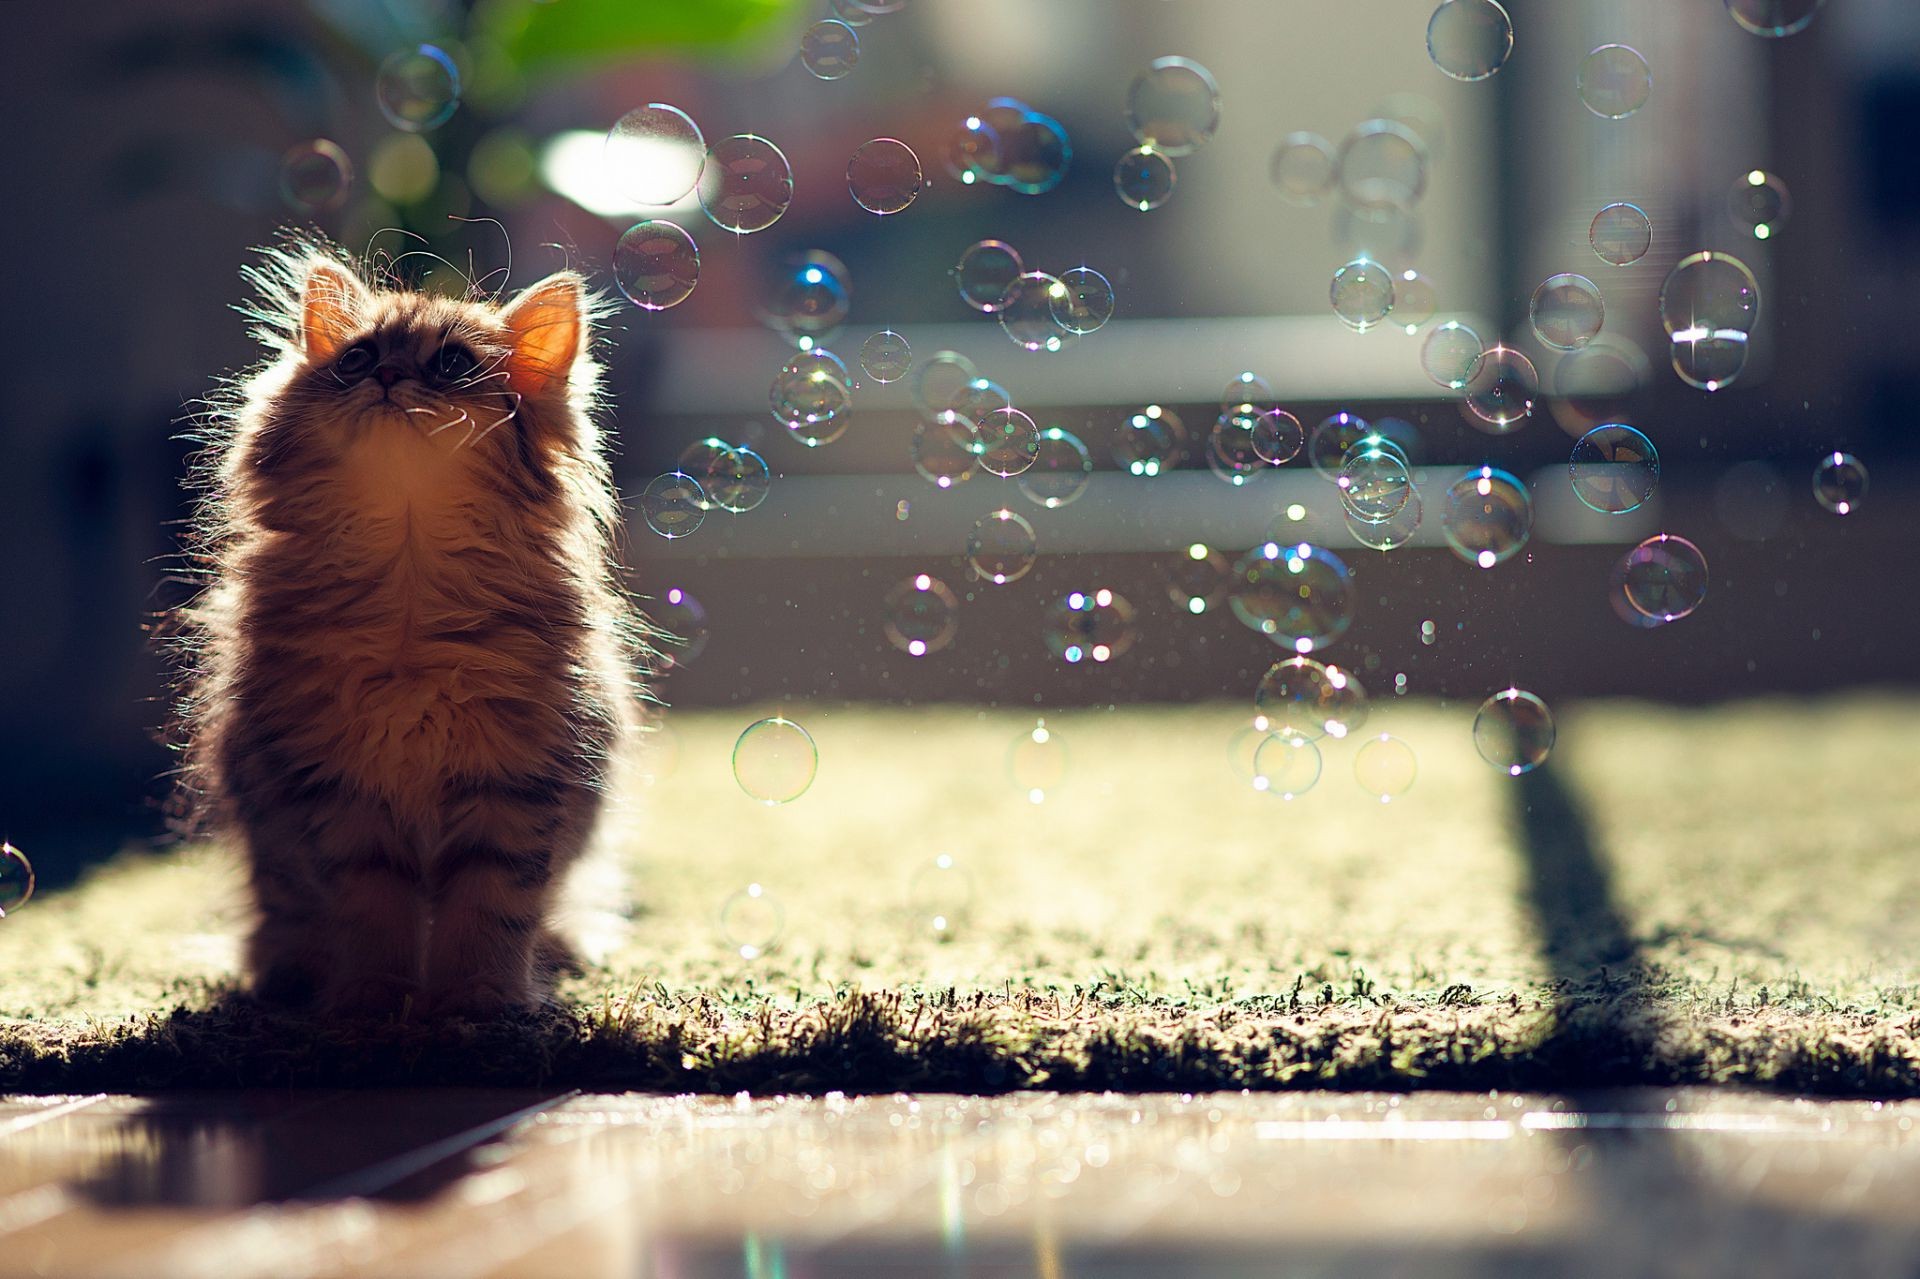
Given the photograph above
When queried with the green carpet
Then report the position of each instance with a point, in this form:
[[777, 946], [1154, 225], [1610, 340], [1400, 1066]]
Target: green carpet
[[1724, 895]]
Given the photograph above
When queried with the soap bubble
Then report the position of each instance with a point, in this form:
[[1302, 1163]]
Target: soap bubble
[[1488, 516], [1774, 18], [829, 49], [979, 398], [1231, 450], [1362, 294], [1615, 468], [1062, 468], [1037, 762], [1664, 578], [752, 920], [807, 295], [315, 176], [946, 450], [1198, 579], [1247, 392], [1144, 178], [1009, 442], [698, 458], [1567, 311], [940, 378], [1035, 153], [810, 396], [1302, 168], [747, 184], [939, 895], [684, 620], [1303, 699], [1285, 765], [1451, 355], [1301, 596], [1383, 166], [884, 176], [1760, 204], [985, 272], [1174, 106], [1614, 81], [1385, 767], [16, 879], [1149, 441], [1708, 359], [419, 89], [850, 12], [656, 264], [886, 356], [1337, 433], [738, 480], [1087, 302], [1469, 39], [1002, 547], [1375, 485], [1414, 300], [1278, 437], [1392, 533], [1027, 313], [922, 615], [655, 154], [973, 152], [1089, 626], [1501, 393], [1840, 482], [674, 504], [1513, 731], [1621, 234]]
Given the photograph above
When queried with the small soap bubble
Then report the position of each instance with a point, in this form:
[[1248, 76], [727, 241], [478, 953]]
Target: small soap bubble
[[1840, 482], [419, 89], [1086, 303], [886, 356], [1488, 516], [674, 504], [1037, 762], [884, 176], [1614, 81], [1336, 435], [1285, 765], [684, 621], [1663, 578], [1513, 731], [1002, 547], [1009, 442], [1029, 312], [1034, 150], [1567, 311], [698, 458], [1362, 294], [1774, 18], [1198, 579], [1429, 634], [946, 450], [1062, 468], [1760, 204], [903, 510], [939, 894], [1089, 626], [1300, 596], [985, 272], [922, 615], [315, 176], [850, 12], [811, 397], [1383, 166], [16, 879], [738, 480], [1301, 698], [1614, 468], [1174, 106], [1231, 447], [1375, 485], [1385, 766], [1503, 389], [1708, 359], [806, 296], [747, 184], [941, 377], [1247, 392], [752, 920], [1621, 234], [1149, 441], [1451, 355], [1144, 178], [972, 151], [775, 760], [1278, 437], [1302, 168], [1469, 39], [1414, 301], [829, 49], [1392, 533], [655, 154], [656, 264]]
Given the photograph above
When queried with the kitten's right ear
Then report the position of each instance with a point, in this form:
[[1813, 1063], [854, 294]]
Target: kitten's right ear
[[331, 303]]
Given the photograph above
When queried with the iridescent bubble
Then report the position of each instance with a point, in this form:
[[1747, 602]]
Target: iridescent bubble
[[698, 458], [1414, 300], [674, 504], [1375, 485], [1037, 762], [1760, 204], [1089, 626], [1513, 731], [972, 151], [922, 615], [1301, 596], [1469, 39], [829, 49], [1009, 442], [16, 879], [1614, 81], [1390, 534], [1247, 392], [738, 480], [1488, 516], [1385, 767], [1087, 302], [807, 295], [1567, 311], [1198, 579], [1035, 153], [1002, 547], [946, 450], [939, 896], [655, 154], [1614, 468], [775, 761], [1303, 699], [978, 399], [747, 184], [810, 396], [1664, 578], [1362, 294], [1708, 359], [886, 356], [884, 176], [656, 264], [752, 920], [1278, 437], [315, 176], [850, 12], [1232, 449], [940, 378], [684, 621], [1061, 470], [1144, 178], [1451, 355], [1621, 234], [984, 273], [1302, 168], [1027, 313], [1174, 106], [1383, 165], [1149, 441], [1774, 18], [1337, 433], [1840, 482], [1285, 765], [419, 89], [1501, 394]]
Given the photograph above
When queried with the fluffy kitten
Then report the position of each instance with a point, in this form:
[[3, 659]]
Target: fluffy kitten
[[411, 669]]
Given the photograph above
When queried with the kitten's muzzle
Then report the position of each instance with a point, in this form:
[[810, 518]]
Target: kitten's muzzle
[[390, 371]]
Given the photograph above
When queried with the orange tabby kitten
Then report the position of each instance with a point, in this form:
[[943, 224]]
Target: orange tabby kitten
[[412, 664]]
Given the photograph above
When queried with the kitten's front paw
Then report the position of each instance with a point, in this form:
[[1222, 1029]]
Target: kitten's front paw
[[372, 998]]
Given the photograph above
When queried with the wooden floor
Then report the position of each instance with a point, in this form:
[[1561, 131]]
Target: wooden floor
[[472, 1183]]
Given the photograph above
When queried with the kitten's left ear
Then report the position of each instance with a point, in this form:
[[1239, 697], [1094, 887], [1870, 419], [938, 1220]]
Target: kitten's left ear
[[549, 327], [331, 299]]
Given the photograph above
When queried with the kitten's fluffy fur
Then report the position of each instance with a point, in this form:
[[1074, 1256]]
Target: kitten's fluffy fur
[[410, 672]]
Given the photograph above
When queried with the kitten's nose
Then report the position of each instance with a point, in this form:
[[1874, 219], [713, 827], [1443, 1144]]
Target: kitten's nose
[[389, 373]]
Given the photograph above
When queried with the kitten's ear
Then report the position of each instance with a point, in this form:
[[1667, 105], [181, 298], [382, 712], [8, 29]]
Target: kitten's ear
[[549, 327], [331, 304]]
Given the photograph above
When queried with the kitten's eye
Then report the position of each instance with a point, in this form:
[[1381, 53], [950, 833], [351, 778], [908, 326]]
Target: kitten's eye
[[356, 361], [452, 363]]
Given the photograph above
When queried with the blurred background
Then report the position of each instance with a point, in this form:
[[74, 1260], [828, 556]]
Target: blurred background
[[152, 145]]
